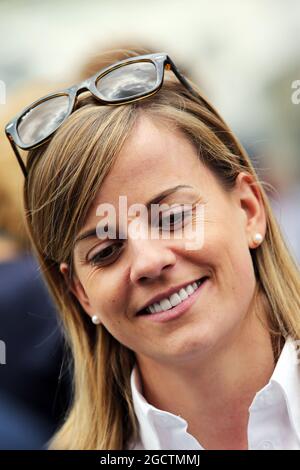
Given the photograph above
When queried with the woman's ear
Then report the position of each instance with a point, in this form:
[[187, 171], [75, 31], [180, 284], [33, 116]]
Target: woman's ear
[[76, 288], [250, 200]]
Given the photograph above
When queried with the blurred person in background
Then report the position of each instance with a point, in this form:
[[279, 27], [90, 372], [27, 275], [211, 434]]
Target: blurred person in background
[[283, 188], [286, 206], [226, 345], [34, 387]]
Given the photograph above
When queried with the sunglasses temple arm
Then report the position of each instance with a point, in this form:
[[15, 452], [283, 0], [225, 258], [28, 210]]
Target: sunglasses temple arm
[[17, 154], [183, 80]]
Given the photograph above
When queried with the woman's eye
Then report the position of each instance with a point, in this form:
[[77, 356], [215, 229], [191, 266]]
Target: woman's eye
[[175, 219], [105, 256]]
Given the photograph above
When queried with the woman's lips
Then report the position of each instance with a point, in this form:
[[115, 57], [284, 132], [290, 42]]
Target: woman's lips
[[177, 311], [167, 294]]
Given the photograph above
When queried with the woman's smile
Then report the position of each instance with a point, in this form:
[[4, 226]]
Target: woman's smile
[[176, 304]]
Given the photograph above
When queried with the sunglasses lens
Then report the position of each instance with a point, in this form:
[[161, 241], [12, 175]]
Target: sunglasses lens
[[128, 81], [39, 122]]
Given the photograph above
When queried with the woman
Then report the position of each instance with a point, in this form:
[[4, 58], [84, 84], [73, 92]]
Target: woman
[[163, 337]]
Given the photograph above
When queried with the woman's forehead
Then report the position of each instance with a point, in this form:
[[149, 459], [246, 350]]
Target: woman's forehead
[[153, 156]]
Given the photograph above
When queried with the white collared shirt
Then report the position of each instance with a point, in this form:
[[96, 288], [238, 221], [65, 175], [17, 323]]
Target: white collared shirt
[[274, 415]]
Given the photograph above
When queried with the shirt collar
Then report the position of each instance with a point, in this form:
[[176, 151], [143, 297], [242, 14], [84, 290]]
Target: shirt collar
[[158, 428], [287, 376], [151, 420]]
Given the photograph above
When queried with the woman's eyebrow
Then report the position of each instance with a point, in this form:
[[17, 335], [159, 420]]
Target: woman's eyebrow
[[165, 193], [91, 233]]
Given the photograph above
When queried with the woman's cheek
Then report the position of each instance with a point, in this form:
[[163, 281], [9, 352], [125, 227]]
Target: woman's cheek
[[111, 307]]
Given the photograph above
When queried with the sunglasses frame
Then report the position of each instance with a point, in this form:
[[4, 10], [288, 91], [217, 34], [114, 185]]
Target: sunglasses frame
[[161, 61]]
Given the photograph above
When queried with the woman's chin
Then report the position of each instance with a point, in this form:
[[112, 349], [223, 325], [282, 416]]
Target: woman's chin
[[195, 346]]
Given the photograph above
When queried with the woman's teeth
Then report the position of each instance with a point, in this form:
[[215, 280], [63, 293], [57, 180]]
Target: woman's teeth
[[174, 299]]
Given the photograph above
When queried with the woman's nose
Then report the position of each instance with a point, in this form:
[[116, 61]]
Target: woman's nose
[[150, 258]]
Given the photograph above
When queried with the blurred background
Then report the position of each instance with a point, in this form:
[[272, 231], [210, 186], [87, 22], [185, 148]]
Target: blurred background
[[245, 55]]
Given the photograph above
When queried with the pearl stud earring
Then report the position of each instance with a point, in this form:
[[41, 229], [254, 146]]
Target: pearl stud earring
[[258, 238], [95, 319]]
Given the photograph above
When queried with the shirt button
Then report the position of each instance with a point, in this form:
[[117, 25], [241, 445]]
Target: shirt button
[[266, 445]]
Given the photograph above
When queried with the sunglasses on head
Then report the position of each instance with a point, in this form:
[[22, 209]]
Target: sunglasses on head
[[125, 81]]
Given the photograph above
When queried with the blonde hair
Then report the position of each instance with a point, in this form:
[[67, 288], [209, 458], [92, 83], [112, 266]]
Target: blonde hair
[[64, 177]]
